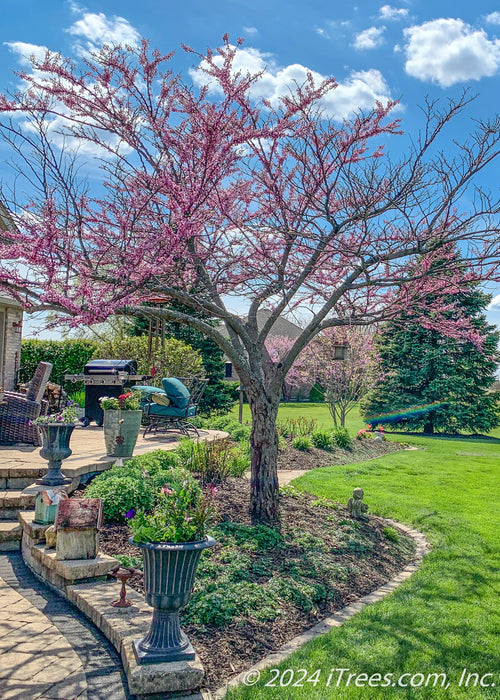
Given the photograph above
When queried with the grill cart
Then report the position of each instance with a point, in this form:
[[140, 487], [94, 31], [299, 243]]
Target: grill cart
[[104, 378]]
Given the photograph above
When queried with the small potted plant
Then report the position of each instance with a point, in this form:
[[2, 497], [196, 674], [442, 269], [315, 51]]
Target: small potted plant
[[122, 422], [172, 537], [55, 431]]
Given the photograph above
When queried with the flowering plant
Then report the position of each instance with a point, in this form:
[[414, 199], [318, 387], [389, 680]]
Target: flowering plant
[[363, 434], [125, 402], [183, 513], [67, 415]]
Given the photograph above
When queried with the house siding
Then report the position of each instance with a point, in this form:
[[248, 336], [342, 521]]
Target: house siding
[[11, 345]]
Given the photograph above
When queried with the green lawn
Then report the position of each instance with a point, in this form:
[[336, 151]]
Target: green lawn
[[446, 618], [319, 411]]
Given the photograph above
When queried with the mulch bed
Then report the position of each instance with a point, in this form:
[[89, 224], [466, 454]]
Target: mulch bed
[[291, 458], [363, 553]]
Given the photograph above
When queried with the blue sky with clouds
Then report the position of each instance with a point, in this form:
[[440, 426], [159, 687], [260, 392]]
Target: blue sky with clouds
[[404, 50]]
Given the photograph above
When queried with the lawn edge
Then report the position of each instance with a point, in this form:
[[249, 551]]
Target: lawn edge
[[337, 619]]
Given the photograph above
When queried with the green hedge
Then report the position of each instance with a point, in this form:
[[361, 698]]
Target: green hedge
[[66, 355]]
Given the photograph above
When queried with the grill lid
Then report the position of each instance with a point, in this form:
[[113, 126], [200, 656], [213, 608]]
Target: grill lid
[[110, 366]]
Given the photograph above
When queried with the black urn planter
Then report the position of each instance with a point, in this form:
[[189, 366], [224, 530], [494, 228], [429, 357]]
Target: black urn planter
[[169, 570], [55, 448]]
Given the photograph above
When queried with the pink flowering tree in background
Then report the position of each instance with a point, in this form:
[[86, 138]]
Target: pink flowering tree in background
[[343, 382], [278, 346], [140, 186]]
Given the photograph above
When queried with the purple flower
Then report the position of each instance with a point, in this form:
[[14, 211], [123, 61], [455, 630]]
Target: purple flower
[[130, 514]]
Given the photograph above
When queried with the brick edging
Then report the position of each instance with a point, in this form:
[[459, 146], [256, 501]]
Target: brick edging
[[338, 618]]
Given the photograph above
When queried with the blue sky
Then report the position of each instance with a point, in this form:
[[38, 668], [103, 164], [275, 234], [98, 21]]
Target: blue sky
[[404, 50]]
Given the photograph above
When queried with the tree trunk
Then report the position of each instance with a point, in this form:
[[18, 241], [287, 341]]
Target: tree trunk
[[429, 428], [264, 459]]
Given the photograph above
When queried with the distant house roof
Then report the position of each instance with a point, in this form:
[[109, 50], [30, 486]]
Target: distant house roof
[[281, 327], [6, 222]]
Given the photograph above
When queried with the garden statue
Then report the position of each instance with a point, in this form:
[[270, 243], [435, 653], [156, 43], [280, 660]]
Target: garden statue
[[357, 509]]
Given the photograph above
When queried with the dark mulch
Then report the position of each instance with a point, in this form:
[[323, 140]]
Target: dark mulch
[[291, 458], [363, 556]]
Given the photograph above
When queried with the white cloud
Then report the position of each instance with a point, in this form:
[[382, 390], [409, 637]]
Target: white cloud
[[494, 303], [493, 18], [393, 13], [250, 30], [360, 91], [370, 38], [24, 51], [97, 29], [58, 128], [449, 51]]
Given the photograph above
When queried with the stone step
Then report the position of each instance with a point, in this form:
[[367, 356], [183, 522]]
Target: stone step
[[10, 535], [14, 500], [19, 477]]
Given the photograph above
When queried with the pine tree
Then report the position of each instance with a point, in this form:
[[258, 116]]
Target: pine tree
[[433, 382]]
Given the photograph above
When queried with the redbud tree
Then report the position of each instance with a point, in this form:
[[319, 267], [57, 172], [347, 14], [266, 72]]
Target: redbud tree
[[343, 383], [141, 186]]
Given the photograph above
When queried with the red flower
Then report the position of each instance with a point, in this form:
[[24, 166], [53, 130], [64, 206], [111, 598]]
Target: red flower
[[125, 396]]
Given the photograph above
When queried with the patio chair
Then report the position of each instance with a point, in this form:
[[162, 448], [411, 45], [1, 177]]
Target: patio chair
[[18, 410], [173, 407]]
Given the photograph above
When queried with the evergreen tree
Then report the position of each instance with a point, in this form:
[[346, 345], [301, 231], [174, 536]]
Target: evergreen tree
[[433, 382], [219, 396]]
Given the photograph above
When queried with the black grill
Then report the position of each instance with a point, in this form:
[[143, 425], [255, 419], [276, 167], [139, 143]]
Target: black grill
[[105, 378], [107, 367]]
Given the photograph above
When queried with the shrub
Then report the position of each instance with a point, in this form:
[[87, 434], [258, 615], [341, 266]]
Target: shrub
[[213, 462], [67, 356], [322, 439], [120, 494], [240, 432], [302, 442], [282, 443], [174, 359], [317, 394], [240, 459], [296, 427], [134, 485], [341, 438]]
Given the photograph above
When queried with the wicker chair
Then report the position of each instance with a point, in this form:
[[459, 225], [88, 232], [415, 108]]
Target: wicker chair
[[18, 410]]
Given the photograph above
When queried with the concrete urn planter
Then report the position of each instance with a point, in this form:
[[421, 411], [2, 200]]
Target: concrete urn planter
[[55, 448], [121, 429], [169, 570]]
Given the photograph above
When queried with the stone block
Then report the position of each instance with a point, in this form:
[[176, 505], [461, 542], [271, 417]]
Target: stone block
[[77, 544], [173, 677], [75, 569]]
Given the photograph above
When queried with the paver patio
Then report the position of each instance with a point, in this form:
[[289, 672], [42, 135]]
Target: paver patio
[[88, 451], [47, 650]]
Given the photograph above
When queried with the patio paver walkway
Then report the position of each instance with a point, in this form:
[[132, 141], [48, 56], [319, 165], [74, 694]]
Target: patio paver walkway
[[47, 650]]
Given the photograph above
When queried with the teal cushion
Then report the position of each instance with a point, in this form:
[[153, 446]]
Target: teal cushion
[[146, 391], [156, 410], [176, 392]]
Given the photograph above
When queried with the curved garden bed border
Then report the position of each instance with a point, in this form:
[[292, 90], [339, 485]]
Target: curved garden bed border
[[337, 619]]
